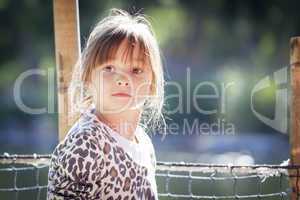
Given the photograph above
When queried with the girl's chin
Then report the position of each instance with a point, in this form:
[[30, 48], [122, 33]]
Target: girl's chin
[[120, 109], [118, 106]]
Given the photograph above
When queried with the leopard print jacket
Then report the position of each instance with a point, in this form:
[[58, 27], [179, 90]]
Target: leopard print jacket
[[93, 163]]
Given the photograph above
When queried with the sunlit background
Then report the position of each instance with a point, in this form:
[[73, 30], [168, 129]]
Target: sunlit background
[[222, 42]]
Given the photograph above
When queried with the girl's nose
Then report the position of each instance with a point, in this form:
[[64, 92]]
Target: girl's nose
[[122, 82]]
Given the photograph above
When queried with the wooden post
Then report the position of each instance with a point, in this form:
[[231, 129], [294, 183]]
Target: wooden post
[[295, 113], [67, 51]]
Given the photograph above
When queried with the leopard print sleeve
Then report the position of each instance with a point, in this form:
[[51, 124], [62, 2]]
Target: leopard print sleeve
[[76, 167], [94, 162]]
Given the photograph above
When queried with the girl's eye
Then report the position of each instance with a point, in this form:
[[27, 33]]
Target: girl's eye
[[108, 68], [137, 70]]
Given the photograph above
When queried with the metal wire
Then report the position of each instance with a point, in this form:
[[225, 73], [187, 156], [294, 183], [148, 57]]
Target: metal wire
[[175, 180]]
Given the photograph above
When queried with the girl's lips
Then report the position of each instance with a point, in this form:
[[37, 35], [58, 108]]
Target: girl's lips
[[120, 94]]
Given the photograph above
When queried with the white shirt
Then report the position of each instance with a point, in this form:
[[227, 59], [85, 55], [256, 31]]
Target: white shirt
[[142, 152]]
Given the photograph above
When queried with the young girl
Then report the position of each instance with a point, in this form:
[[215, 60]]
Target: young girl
[[118, 85]]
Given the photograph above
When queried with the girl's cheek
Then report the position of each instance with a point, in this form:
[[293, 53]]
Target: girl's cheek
[[107, 80], [104, 84], [143, 87]]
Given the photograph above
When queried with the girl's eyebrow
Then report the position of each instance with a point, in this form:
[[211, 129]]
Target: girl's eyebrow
[[138, 59], [134, 61]]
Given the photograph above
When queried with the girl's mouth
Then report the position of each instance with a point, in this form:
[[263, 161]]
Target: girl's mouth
[[121, 94]]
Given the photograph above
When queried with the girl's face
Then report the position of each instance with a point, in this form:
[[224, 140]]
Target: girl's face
[[119, 85]]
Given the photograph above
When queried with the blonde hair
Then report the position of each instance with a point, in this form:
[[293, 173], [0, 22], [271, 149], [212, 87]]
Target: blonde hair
[[102, 43]]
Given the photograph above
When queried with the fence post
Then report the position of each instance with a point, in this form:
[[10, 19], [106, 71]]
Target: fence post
[[295, 113], [67, 51]]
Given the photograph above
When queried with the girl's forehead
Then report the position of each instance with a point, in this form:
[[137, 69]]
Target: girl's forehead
[[124, 53]]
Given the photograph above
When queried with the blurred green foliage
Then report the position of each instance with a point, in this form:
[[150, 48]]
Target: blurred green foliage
[[220, 40]]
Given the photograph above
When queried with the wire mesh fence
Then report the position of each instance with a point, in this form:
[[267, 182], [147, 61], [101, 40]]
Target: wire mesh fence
[[25, 177]]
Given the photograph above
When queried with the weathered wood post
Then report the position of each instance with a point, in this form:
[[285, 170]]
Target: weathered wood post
[[295, 113], [67, 51]]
